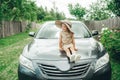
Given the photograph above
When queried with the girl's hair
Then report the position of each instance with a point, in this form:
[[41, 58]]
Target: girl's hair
[[69, 31]]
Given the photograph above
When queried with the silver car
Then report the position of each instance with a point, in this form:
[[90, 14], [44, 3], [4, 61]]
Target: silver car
[[42, 60]]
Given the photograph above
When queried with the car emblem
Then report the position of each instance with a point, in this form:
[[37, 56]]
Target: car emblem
[[63, 65]]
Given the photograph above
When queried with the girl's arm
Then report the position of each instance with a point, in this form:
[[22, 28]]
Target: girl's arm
[[73, 42], [60, 42]]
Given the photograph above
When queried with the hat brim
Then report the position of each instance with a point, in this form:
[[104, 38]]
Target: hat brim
[[59, 23]]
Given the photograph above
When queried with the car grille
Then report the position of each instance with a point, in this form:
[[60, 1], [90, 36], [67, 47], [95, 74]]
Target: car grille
[[76, 70]]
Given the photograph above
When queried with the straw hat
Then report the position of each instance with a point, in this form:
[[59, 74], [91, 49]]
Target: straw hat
[[59, 23]]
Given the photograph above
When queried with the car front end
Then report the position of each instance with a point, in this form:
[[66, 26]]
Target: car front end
[[46, 70], [55, 67]]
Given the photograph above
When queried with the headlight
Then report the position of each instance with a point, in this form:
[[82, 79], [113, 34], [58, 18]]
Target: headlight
[[26, 62], [102, 61]]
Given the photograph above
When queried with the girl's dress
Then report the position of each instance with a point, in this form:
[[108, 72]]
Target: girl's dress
[[66, 39]]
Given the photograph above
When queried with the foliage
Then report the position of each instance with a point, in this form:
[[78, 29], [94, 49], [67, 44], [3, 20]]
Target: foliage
[[115, 64], [60, 16], [28, 27], [114, 6], [41, 13], [54, 15], [77, 11], [18, 10], [98, 11], [21, 10], [49, 17], [111, 40]]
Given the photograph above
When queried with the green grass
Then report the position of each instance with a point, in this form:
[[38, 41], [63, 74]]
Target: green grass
[[12, 39], [10, 49], [115, 69]]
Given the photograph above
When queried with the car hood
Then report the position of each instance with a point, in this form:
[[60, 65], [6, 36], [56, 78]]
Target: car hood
[[48, 49]]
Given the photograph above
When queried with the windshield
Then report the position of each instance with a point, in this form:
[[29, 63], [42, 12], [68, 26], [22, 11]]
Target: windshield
[[51, 31]]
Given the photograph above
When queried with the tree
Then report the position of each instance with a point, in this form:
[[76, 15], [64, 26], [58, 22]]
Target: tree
[[60, 16], [22, 10], [28, 11], [41, 13], [54, 14], [77, 11], [18, 10], [114, 6], [98, 11]]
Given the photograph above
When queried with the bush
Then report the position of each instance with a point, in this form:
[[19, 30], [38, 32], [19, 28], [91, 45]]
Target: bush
[[111, 40], [49, 17], [28, 27]]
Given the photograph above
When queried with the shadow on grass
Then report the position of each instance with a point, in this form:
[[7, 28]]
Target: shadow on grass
[[116, 57]]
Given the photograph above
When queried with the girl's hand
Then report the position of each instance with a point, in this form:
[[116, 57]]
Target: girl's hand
[[61, 49], [75, 49]]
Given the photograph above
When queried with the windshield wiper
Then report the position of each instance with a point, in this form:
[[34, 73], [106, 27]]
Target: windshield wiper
[[87, 36], [42, 38]]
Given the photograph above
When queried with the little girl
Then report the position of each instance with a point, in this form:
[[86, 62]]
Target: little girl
[[66, 40]]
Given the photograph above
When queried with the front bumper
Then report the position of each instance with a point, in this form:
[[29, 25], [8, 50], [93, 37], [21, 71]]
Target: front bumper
[[102, 74], [25, 73]]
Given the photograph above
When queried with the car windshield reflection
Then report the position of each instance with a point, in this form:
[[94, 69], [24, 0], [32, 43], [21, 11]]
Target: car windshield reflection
[[50, 31]]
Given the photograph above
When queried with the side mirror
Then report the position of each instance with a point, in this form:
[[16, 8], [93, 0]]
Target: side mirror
[[32, 34], [95, 32]]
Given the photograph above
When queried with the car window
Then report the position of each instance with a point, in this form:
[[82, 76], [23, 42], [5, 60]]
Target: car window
[[80, 30], [51, 31]]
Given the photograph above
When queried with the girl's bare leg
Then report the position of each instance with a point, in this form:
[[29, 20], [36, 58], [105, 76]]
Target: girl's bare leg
[[77, 57], [67, 52], [72, 49], [71, 58]]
